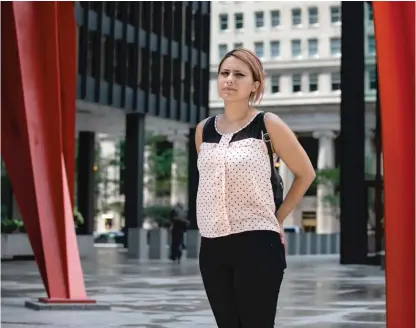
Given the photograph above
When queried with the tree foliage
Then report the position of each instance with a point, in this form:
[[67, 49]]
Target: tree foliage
[[160, 159], [329, 178]]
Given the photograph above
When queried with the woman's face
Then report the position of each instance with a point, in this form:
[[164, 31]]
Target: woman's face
[[235, 80]]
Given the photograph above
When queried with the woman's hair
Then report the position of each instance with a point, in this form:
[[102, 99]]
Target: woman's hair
[[256, 67]]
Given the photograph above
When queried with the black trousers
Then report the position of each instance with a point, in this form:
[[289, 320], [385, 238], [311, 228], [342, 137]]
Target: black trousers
[[242, 274]]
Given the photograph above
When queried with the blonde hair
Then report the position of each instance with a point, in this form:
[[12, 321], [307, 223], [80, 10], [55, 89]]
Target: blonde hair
[[256, 67]]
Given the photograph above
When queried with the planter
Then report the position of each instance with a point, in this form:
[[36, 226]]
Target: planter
[[15, 245]]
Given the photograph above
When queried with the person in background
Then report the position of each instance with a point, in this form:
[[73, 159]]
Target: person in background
[[179, 225]]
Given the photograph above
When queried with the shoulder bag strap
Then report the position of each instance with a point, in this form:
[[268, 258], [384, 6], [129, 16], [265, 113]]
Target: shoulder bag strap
[[268, 141]]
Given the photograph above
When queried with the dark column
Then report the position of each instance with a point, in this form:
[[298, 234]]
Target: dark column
[[352, 175], [6, 194], [86, 180], [193, 179], [134, 172]]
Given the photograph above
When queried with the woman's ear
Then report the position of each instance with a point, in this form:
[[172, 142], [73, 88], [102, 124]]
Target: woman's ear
[[256, 86]]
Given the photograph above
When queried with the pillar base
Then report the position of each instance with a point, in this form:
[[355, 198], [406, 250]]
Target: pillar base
[[66, 304]]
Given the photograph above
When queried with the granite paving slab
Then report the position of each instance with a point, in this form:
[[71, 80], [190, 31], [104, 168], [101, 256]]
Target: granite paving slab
[[316, 292]]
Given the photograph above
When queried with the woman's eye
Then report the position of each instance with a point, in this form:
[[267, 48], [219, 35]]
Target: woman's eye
[[227, 73]]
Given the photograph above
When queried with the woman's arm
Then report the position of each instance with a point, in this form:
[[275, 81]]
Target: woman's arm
[[290, 151]]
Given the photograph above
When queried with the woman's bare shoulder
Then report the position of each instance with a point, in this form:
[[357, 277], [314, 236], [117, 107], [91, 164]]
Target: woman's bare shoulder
[[198, 133]]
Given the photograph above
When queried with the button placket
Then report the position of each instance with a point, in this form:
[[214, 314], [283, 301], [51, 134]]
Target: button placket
[[224, 144]]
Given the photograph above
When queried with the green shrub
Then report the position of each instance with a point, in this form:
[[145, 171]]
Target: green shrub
[[12, 225], [78, 218], [159, 213]]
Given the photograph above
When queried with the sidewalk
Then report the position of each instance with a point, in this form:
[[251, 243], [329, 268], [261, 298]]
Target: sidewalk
[[316, 292]]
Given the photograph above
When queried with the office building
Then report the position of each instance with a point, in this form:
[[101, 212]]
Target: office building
[[142, 67]]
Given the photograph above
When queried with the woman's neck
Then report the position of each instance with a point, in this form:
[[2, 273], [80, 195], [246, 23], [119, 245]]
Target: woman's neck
[[235, 112]]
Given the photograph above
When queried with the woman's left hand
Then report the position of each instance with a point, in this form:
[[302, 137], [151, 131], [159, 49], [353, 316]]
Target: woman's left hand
[[283, 237]]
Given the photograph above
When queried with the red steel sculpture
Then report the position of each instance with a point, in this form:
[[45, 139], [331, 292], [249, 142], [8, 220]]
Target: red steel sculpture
[[38, 136], [395, 44]]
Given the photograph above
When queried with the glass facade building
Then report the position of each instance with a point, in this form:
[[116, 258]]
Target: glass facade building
[[140, 59], [145, 57]]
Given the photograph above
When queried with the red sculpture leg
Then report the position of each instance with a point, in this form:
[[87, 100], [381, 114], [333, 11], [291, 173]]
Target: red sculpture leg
[[14, 135], [68, 77], [395, 41], [33, 117]]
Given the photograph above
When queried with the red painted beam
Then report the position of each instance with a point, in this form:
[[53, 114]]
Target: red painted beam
[[14, 135], [38, 122], [68, 78], [395, 42]]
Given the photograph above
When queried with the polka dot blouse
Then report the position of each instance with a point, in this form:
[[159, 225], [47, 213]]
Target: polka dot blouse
[[234, 193]]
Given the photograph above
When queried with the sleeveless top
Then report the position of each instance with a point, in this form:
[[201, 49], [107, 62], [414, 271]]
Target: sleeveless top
[[235, 192]]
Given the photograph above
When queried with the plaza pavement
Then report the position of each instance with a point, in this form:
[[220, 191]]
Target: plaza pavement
[[317, 292]]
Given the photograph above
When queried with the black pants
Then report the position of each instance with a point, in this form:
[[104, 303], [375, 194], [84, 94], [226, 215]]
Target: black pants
[[242, 274]]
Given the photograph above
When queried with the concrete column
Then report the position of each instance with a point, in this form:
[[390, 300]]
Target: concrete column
[[326, 221], [179, 188], [148, 180], [370, 153]]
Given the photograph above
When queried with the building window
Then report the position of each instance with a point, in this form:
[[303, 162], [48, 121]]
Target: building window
[[313, 50], [296, 83], [275, 83], [223, 22], [313, 82], [239, 21], [335, 14], [238, 45], [222, 50], [370, 14], [296, 17], [259, 17], [275, 49], [275, 18], [371, 45], [335, 81], [313, 15], [335, 46], [372, 79], [296, 48], [259, 49]]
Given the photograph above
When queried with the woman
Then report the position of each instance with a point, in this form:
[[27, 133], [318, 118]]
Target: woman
[[242, 256]]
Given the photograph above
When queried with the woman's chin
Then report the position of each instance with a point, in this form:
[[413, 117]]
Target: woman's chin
[[230, 98]]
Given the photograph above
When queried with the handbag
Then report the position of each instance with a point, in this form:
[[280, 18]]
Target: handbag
[[275, 178]]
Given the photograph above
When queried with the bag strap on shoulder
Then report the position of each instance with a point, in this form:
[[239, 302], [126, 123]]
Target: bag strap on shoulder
[[267, 140]]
